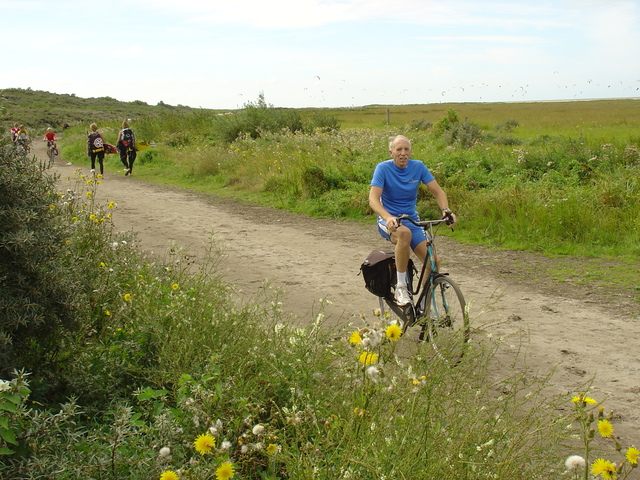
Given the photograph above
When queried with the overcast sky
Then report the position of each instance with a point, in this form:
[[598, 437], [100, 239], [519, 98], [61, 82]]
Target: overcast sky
[[323, 53]]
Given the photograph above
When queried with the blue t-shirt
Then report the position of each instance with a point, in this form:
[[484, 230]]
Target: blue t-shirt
[[400, 185]]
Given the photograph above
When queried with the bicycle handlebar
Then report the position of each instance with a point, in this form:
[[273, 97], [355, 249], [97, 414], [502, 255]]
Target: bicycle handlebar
[[448, 219]]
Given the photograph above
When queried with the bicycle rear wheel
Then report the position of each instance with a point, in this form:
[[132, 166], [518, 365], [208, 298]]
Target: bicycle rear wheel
[[446, 320]]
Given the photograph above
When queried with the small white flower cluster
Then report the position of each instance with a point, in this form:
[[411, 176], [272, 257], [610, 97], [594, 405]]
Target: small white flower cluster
[[574, 462], [5, 385], [373, 373], [371, 337]]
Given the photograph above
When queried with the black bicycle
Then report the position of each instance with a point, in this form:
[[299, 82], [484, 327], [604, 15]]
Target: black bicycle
[[439, 308]]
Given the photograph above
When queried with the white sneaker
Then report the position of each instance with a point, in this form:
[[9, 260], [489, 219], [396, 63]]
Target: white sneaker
[[402, 296]]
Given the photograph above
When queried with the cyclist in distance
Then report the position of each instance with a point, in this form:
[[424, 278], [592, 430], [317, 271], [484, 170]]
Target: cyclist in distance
[[50, 138], [22, 138], [394, 191], [14, 132]]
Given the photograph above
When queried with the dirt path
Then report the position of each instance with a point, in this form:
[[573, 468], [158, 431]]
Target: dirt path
[[584, 332]]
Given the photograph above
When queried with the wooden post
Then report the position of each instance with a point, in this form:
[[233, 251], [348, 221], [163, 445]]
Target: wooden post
[[388, 115]]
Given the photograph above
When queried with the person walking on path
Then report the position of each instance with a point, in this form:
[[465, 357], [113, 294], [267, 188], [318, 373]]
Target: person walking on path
[[126, 146], [394, 191], [95, 148]]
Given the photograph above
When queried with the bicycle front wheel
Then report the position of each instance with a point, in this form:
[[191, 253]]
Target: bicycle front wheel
[[52, 155], [446, 321]]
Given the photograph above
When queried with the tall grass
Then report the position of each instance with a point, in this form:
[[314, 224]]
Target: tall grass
[[558, 195]]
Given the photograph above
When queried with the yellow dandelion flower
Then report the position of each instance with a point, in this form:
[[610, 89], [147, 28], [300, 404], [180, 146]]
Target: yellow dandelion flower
[[108, 215], [89, 194], [127, 297], [175, 286], [225, 471], [107, 313], [367, 358], [89, 182], [75, 219], [355, 338], [584, 400], [98, 182], [111, 205], [605, 428], [92, 216], [204, 444], [102, 264], [632, 455], [169, 475], [605, 468], [52, 207], [272, 449], [99, 175], [393, 332]]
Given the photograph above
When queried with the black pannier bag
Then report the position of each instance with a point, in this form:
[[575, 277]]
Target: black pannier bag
[[379, 272]]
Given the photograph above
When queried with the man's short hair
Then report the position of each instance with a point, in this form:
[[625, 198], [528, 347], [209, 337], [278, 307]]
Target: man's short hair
[[396, 137]]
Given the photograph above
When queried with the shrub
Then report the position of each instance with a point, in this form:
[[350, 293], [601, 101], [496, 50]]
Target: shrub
[[452, 130], [36, 300], [324, 123], [420, 125], [255, 119]]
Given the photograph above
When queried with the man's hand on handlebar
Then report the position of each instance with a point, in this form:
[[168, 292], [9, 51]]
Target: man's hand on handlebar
[[393, 223]]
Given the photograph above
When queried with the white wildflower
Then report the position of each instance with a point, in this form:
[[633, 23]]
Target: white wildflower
[[573, 462], [165, 452], [258, 429], [374, 373]]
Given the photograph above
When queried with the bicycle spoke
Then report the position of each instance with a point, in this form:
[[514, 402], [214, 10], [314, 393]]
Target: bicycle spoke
[[447, 321]]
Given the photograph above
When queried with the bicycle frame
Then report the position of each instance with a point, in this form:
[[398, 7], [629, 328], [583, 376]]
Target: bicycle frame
[[409, 314], [444, 320]]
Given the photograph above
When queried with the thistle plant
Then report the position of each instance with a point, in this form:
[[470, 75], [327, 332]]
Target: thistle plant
[[593, 424]]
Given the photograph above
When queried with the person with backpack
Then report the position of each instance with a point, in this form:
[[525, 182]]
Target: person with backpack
[[127, 147], [393, 192], [95, 148]]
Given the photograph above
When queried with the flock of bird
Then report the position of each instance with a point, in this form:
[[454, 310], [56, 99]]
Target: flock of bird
[[318, 91]]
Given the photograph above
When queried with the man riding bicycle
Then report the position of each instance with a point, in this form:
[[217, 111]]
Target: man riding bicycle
[[394, 191]]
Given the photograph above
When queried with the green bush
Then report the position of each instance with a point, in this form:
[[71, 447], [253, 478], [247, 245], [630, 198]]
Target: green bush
[[255, 119], [37, 301]]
